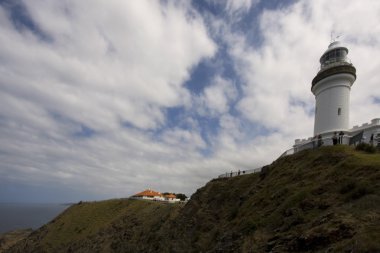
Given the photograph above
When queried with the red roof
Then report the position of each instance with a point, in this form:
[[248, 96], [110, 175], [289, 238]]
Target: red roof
[[148, 193]]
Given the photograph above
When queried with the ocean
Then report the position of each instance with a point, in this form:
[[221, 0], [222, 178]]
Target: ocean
[[19, 216]]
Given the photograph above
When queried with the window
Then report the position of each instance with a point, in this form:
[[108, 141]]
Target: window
[[344, 53], [339, 111]]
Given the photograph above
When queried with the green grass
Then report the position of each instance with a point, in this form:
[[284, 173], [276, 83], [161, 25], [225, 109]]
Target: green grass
[[103, 221], [313, 201], [86, 219]]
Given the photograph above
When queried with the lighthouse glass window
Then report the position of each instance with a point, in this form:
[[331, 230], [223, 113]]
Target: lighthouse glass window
[[341, 54], [332, 54]]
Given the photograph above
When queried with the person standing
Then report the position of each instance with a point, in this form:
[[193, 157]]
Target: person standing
[[320, 142], [341, 134], [371, 140], [335, 139]]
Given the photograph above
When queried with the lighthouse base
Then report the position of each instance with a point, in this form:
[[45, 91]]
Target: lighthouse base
[[366, 133]]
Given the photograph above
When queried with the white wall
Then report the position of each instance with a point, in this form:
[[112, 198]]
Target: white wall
[[332, 93]]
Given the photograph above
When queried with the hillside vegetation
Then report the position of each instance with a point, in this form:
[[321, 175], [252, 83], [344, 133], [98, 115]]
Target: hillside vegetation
[[325, 200], [12, 237]]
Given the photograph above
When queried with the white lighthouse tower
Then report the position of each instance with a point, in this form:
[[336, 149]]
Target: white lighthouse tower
[[331, 88]]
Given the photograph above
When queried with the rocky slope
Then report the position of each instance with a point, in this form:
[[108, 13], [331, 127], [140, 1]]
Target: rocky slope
[[9, 239], [325, 200]]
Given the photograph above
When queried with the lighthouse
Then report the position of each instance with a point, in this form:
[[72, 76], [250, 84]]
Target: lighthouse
[[331, 88]]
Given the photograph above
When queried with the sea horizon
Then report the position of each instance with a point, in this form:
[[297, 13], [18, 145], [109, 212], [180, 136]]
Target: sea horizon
[[25, 215]]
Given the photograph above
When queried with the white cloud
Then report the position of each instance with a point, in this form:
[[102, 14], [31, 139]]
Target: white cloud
[[185, 139], [100, 67], [216, 98], [136, 54], [233, 6]]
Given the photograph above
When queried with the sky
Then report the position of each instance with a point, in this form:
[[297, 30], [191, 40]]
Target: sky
[[103, 99]]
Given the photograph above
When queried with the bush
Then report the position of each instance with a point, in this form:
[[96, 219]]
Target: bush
[[181, 196], [362, 190], [366, 148], [347, 187]]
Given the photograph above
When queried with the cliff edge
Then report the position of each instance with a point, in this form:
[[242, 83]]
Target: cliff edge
[[325, 200]]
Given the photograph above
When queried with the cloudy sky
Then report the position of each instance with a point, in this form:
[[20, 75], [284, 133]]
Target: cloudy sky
[[102, 99]]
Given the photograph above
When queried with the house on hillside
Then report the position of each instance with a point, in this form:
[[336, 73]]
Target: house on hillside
[[171, 198], [149, 195], [156, 196]]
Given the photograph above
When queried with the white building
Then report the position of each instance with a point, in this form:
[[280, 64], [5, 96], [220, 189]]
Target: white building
[[331, 88], [149, 194], [171, 198]]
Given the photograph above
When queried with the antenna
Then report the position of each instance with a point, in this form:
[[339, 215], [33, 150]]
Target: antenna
[[333, 37]]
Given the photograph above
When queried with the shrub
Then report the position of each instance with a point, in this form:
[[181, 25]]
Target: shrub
[[362, 190], [248, 226], [181, 196], [347, 186], [366, 148]]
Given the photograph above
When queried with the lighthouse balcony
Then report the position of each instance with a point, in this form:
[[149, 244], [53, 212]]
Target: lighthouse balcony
[[333, 69]]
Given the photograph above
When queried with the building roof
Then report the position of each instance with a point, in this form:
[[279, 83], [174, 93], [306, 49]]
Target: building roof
[[148, 193]]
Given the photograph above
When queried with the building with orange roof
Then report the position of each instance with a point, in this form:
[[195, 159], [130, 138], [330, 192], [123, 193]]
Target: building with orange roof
[[171, 198], [149, 194]]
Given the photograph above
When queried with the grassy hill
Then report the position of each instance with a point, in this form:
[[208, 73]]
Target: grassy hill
[[101, 227], [326, 200]]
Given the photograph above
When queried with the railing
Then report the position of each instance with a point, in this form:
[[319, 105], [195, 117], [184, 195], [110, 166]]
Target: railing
[[307, 145], [345, 68], [315, 143], [334, 63], [239, 173]]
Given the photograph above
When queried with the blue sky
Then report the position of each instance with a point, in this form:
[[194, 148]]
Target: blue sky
[[106, 101]]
